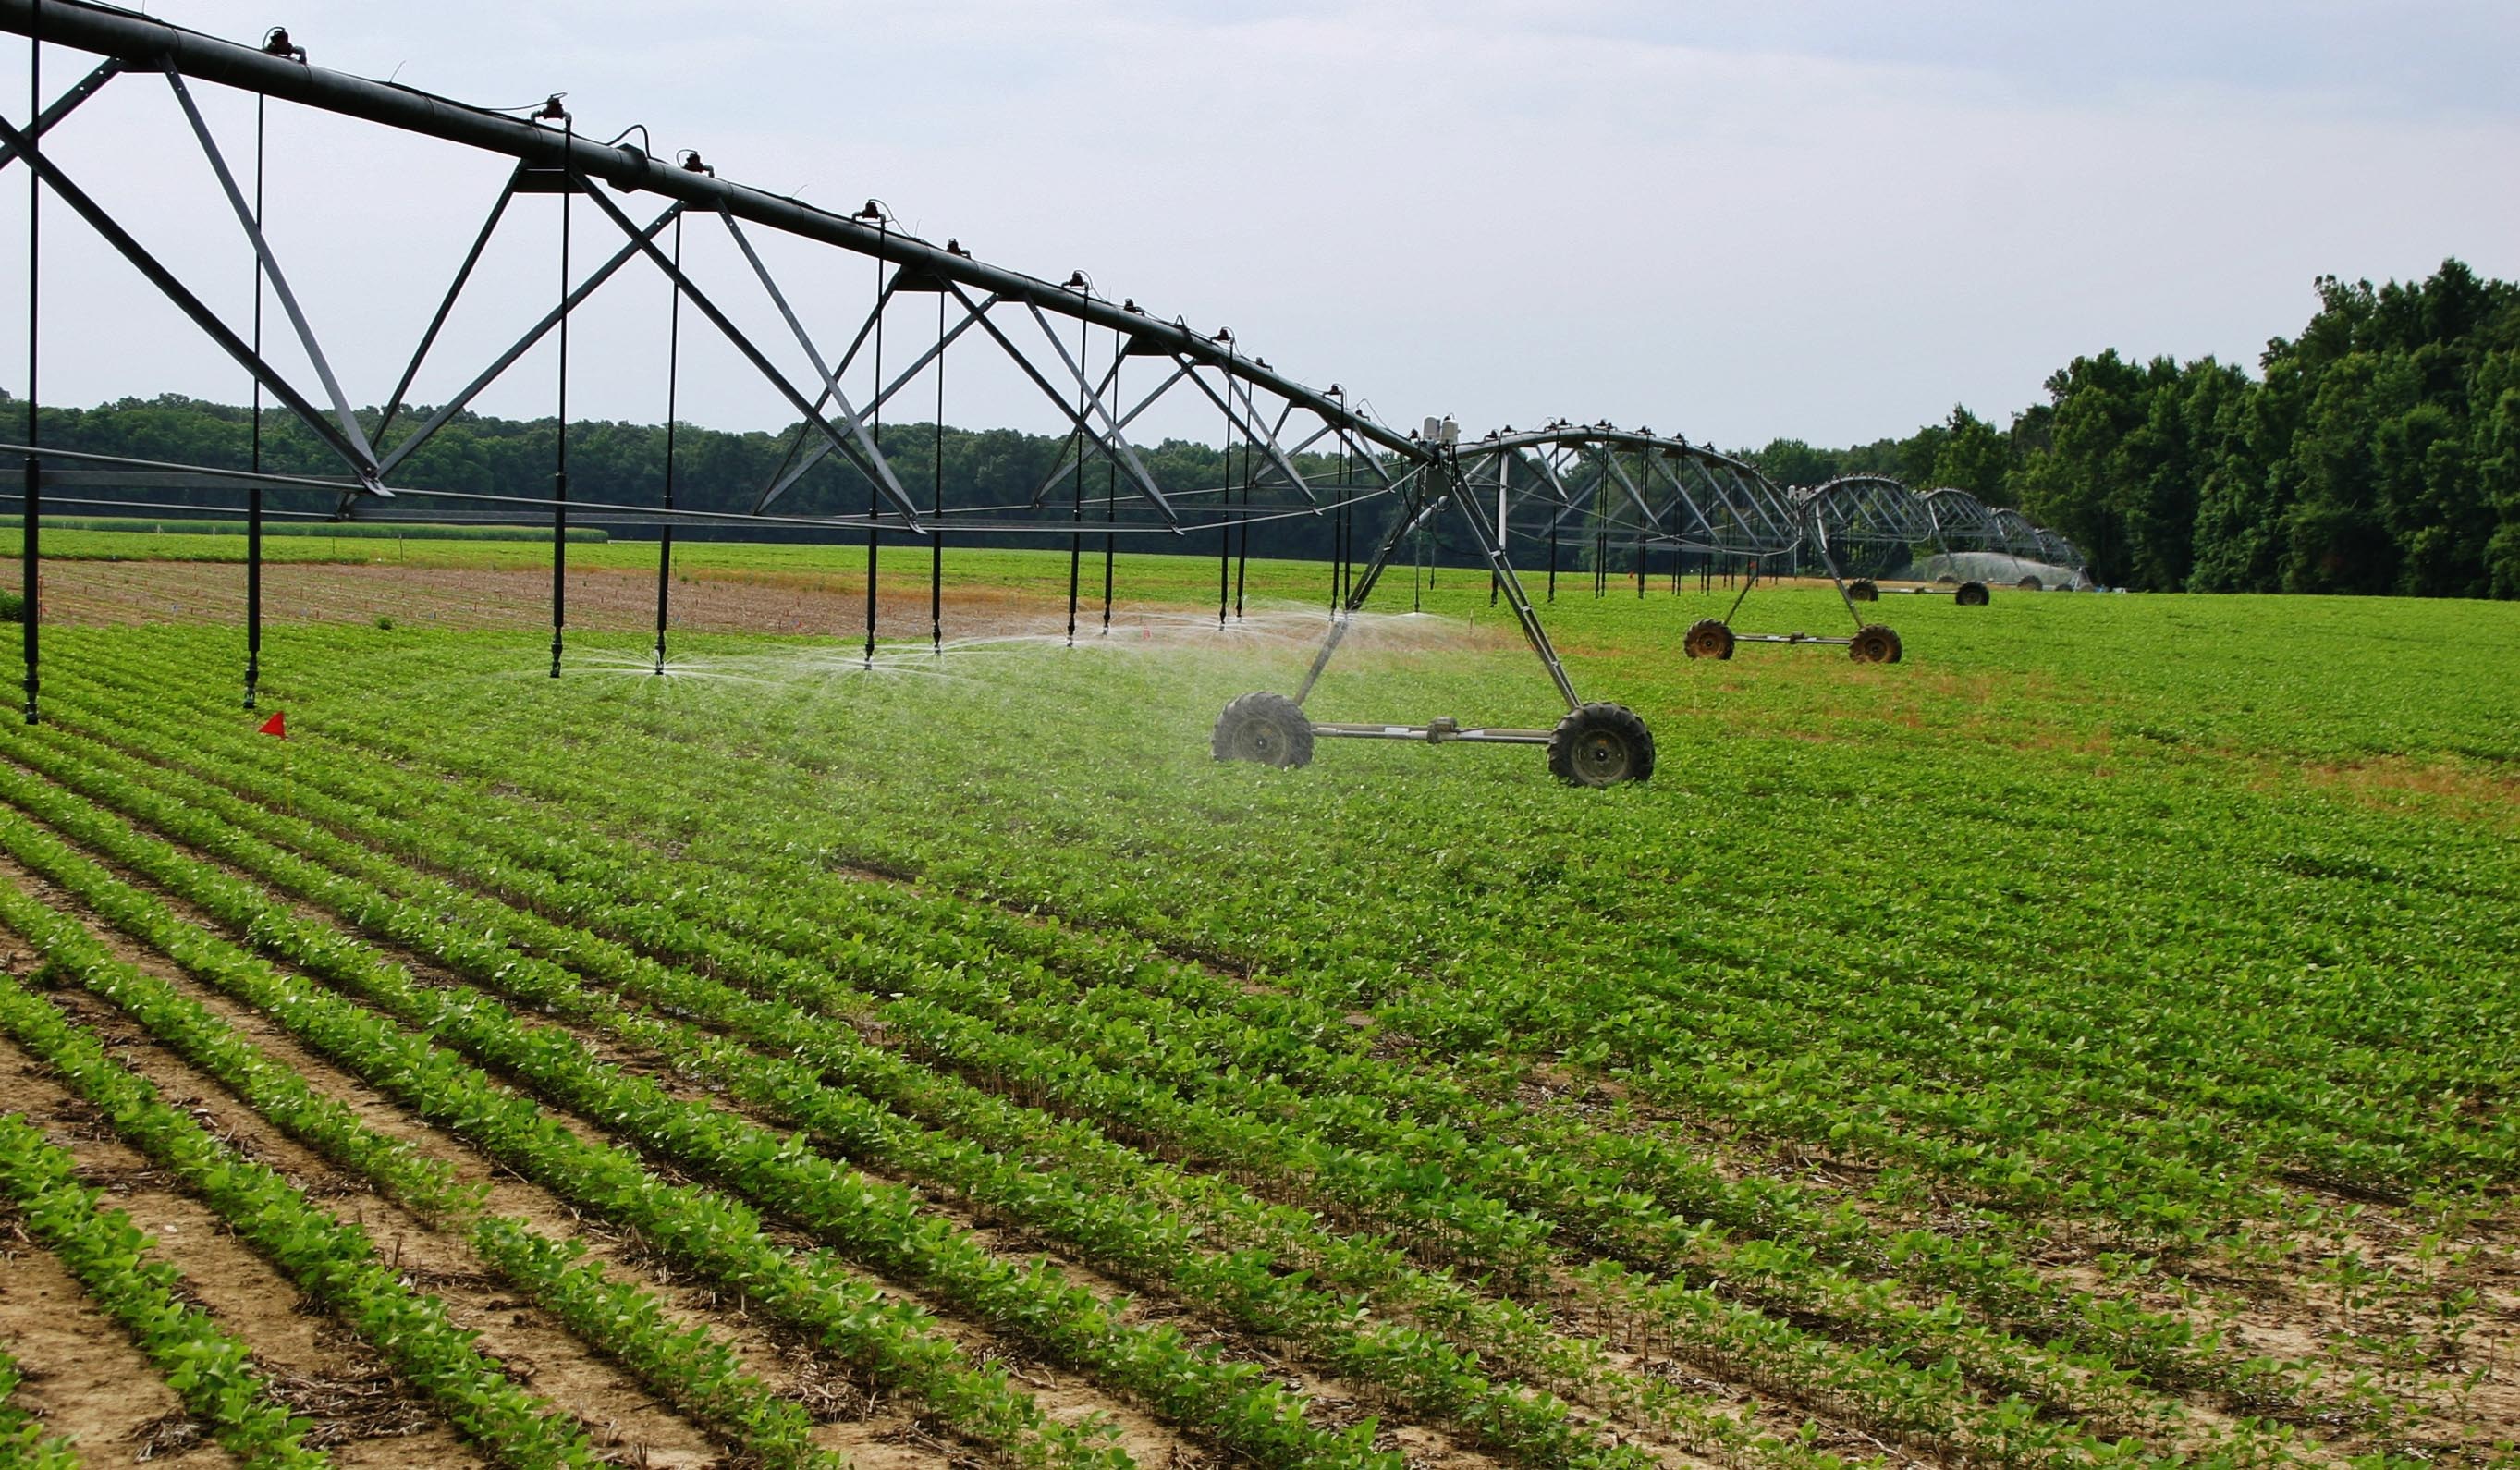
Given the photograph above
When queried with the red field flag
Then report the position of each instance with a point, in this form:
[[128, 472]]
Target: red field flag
[[277, 727]]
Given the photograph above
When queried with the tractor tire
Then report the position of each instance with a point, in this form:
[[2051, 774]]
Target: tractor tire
[[1874, 643], [2031, 584], [1971, 595], [1270, 728], [1601, 745], [1708, 638], [1864, 590]]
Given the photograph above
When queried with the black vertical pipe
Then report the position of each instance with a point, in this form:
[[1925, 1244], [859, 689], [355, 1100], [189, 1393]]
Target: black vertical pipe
[[1339, 536], [254, 496], [1224, 506], [30, 583], [875, 424], [1344, 587], [1242, 540], [1111, 494], [1076, 511], [560, 438], [936, 501], [673, 407], [1347, 559]]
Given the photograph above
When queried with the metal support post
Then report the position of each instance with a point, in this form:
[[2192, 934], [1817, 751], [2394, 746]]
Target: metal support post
[[560, 438], [673, 407], [30, 589]]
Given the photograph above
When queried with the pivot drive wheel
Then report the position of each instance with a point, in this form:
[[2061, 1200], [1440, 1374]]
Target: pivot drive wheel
[[1864, 590], [1708, 638], [1601, 745], [2030, 584], [1267, 728], [1971, 595], [1874, 643]]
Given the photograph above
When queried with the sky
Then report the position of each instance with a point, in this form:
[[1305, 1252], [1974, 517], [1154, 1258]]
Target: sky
[[1737, 221]]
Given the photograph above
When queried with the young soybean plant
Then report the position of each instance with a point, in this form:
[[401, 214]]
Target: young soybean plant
[[209, 1369]]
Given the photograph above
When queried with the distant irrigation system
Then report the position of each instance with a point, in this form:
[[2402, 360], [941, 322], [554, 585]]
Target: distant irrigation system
[[1104, 371]]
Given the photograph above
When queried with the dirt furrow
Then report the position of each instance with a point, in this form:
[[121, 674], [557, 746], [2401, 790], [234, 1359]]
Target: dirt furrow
[[860, 1420], [856, 1418], [363, 1415]]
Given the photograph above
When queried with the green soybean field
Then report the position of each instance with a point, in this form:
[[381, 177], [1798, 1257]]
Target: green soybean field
[[2089, 1041]]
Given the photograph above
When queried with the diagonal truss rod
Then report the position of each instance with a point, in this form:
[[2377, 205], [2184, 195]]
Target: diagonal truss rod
[[1688, 502], [1115, 443], [350, 421], [1232, 419], [1492, 551], [79, 91], [1610, 463], [868, 457], [183, 300], [646, 242], [1269, 438], [446, 411], [799, 464], [1076, 463], [437, 323], [1147, 485]]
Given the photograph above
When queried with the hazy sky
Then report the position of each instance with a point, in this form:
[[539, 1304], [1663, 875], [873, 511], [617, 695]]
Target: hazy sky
[[1734, 220]]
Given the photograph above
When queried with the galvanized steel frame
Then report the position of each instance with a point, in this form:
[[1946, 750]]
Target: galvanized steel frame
[[1276, 417]]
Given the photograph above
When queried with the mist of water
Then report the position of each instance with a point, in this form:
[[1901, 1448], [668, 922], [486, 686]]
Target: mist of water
[[1164, 635]]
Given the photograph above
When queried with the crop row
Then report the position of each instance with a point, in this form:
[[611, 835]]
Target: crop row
[[1929, 1031], [1419, 1179], [714, 1237], [1077, 1204], [1892, 1397], [884, 1222], [332, 1262], [23, 1440], [687, 1368], [1279, 1038], [1417, 1370], [209, 1369]]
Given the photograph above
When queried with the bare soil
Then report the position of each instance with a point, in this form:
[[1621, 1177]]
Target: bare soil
[[599, 599]]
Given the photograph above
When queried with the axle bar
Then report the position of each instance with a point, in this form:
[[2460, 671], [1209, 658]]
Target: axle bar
[[1437, 731]]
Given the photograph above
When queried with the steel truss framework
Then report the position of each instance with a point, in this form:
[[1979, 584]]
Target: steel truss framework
[[1619, 492], [1876, 513], [1632, 492], [1629, 487], [1103, 367], [1070, 343]]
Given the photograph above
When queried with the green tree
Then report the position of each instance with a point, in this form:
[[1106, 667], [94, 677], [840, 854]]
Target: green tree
[[1973, 456]]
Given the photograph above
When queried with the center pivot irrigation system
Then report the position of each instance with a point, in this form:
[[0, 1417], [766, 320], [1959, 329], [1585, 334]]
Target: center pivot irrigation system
[[745, 274]]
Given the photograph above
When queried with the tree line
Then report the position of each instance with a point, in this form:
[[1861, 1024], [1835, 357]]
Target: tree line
[[2377, 452], [1005, 472]]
